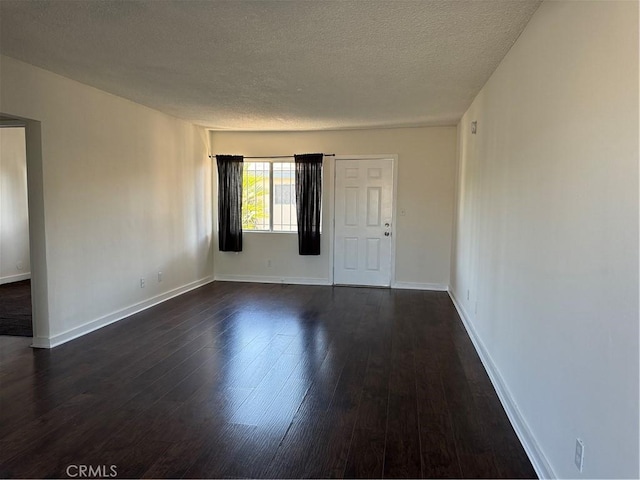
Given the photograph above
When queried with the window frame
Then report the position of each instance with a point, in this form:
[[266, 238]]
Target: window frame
[[272, 199]]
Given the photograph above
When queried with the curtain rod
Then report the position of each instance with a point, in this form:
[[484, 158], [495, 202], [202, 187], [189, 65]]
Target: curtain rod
[[282, 156]]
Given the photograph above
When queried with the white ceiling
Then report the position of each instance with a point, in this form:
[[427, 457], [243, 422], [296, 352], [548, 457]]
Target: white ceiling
[[274, 65]]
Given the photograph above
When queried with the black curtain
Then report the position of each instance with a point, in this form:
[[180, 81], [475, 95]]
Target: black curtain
[[308, 199], [230, 202]]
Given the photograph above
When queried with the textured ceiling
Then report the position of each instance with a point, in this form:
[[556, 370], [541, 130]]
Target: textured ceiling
[[274, 65]]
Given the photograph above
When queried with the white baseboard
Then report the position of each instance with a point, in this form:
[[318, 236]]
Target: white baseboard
[[438, 287], [266, 279], [59, 339], [15, 278], [531, 446], [321, 281], [41, 342]]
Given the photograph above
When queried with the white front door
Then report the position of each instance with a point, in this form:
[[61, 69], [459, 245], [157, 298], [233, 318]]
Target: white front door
[[363, 222]]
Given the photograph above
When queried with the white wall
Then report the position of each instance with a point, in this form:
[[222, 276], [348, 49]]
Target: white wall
[[426, 180], [546, 241], [14, 218], [126, 193]]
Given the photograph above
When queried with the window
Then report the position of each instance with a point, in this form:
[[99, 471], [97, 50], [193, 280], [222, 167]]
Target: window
[[262, 211]]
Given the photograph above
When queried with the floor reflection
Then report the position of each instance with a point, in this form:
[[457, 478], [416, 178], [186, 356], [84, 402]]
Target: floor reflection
[[272, 357]]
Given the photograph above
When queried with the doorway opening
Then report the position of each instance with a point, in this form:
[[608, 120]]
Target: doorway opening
[[36, 263], [15, 264]]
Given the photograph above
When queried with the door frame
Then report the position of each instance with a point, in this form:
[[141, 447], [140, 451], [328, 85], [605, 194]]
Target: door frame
[[37, 233], [394, 160]]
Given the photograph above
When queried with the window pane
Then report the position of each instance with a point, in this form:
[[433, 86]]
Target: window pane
[[284, 197], [255, 196]]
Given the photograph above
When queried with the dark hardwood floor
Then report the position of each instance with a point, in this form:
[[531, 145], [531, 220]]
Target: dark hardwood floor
[[261, 381], [15, 309]]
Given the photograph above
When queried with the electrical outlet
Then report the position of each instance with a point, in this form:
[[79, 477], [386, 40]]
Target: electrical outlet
[[142, 283], [579, 457], [19, 266], [159, 277], [269, 263]]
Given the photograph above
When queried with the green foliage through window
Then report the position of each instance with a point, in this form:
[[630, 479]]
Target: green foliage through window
[[255, 196]]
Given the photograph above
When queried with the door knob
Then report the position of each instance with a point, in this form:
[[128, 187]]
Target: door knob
[[386, 234], [386, 225]]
